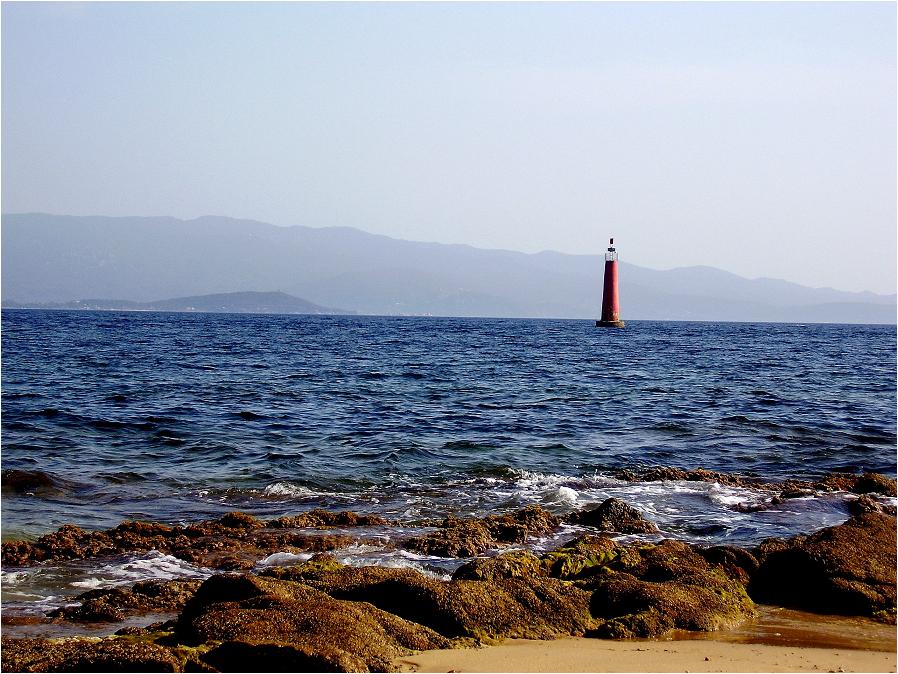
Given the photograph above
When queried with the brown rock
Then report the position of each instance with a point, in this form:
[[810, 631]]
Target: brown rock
[[737, 563], [236, 541], [324, 518], [866, 504], [847, 569], [115, 604], [515, 564], [470, 537], [651, 589], [112, 654], [613, 515], [287, 625], [532, 607], [858, 484]]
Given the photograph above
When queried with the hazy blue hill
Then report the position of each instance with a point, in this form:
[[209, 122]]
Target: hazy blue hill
[[240, 302], [63, 258]]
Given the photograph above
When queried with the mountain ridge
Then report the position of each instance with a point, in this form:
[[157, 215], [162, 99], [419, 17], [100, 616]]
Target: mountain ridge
[[64, 258], [253, 302]]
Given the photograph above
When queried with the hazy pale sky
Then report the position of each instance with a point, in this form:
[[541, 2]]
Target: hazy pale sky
[[755, 137]]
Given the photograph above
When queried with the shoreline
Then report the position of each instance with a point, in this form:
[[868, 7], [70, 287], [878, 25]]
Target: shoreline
[[578, 654], [279, 599]]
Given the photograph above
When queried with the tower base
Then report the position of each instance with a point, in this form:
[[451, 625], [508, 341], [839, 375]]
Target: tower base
[[610, 324]]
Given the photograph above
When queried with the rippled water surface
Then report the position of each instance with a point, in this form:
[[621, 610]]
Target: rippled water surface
[[177, 417]]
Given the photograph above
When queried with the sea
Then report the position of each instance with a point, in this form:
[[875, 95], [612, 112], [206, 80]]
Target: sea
[[176, 417]]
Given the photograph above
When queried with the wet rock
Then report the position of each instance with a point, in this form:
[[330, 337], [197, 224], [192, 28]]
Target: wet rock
[[324, 518], [470, 537], [866, 504], [737, 563], [651, 589], [533, 607], [239, 520], [456, 538], [796, 492], [613, 515], [859, 484], [847, 569], [321, 561], [516, 564], [112, 654], [236, 541], [291, 625], [115, 604], [666, 473]]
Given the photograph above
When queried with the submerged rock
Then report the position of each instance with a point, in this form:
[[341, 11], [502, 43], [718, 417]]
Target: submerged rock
[[471, 536], [15, 481], [613, 515], [283, 625], [847, 569]]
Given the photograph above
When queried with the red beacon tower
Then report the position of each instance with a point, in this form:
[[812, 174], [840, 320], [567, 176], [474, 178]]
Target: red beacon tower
[[610, 300]]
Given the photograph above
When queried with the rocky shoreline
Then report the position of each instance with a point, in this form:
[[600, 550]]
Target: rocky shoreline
[[321, 615]]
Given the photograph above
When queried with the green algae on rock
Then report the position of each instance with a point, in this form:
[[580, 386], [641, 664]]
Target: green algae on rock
[[651, 589]]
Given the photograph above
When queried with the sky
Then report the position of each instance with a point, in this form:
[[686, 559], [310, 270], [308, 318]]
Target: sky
[[756, 137]]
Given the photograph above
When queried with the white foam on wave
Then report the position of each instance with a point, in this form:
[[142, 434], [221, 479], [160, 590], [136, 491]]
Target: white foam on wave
[[153, 565], [291, 490], [567, 494], [284, 559]]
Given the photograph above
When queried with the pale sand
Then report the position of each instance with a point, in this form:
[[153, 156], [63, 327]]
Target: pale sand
[[600, 655], [778, 640]]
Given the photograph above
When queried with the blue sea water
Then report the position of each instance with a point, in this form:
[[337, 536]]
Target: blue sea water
[[177, 417]]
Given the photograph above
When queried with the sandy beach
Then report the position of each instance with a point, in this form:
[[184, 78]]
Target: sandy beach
[[778, 640], [601, 655]]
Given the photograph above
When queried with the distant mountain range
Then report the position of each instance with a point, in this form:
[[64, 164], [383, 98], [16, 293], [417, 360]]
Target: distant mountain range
[[53, 258], [240, 303]]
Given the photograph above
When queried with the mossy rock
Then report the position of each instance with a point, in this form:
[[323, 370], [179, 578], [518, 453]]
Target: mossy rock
[[285, 624], [651, 589], [534, 607], [321, 561], [515, 564], [583, 556]]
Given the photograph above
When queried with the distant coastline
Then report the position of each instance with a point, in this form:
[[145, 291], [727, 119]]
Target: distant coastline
[[237, 302]]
